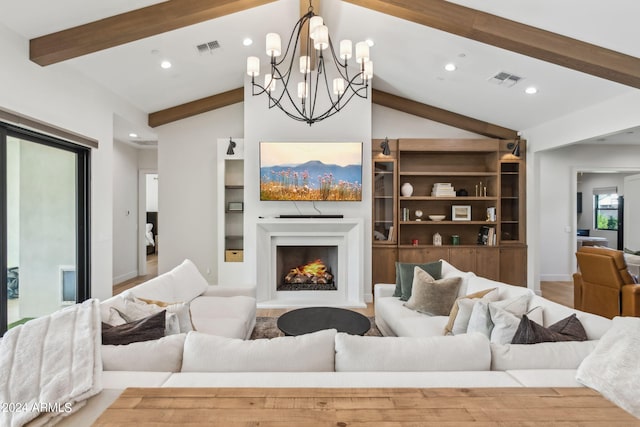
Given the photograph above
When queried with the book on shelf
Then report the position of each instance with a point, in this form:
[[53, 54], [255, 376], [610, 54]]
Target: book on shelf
[[487, 236], [443, 189], [390, 236]]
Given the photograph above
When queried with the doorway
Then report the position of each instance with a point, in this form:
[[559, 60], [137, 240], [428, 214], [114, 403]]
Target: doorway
[[44, 262], [148, 240]]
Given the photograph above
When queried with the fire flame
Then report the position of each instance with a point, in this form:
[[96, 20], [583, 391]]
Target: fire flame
[[313, 268]]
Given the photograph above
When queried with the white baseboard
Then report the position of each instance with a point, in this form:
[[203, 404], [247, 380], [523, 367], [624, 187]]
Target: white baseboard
[[556, 278], [124, 277]]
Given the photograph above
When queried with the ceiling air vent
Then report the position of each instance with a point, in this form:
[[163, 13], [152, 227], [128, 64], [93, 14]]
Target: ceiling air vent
[[208, 47], [505, 79]]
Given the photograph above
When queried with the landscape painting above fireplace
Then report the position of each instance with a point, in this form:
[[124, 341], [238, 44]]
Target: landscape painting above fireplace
[[311, 171]]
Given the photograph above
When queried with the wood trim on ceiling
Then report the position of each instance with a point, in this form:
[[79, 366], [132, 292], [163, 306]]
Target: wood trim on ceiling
[[441, 116], [130, 26], [378, 97], [193, 108], [514, 36]]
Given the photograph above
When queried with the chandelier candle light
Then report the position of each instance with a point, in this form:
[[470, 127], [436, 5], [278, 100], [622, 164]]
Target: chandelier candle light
[[315, 89]]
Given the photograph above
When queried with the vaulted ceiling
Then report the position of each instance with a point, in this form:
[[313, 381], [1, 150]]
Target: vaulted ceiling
[[577, 53]]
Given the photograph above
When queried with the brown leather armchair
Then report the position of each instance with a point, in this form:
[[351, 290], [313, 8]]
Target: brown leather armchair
[[603, 285]]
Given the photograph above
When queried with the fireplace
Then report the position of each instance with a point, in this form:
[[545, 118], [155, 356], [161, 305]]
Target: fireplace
[[337, 243], [306, 268]]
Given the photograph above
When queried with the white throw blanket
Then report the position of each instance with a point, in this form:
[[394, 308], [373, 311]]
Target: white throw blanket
[[50, 365], [613, 368]]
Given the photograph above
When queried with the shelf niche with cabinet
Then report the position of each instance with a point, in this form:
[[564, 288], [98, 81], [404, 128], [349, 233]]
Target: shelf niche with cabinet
[[489, 182]]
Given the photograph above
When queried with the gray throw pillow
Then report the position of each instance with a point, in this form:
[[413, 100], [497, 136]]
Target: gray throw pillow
[[404, 276], [433, 297], [567, 329], [146, 329]]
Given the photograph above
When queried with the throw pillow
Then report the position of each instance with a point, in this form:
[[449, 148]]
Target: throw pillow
[[128, 309], [613, 368], [404, 276], [568, 329], [468, 302], [430, 296], [505, 325], [146, 329], [180, 309], [480, 319]]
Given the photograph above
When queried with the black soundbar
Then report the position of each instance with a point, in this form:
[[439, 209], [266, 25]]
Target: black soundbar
[[311, 216]]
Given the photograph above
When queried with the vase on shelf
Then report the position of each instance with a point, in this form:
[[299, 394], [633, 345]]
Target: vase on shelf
[[406, 190]]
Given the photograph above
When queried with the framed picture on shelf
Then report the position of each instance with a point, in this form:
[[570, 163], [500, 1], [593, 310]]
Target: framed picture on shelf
[[461, 213]]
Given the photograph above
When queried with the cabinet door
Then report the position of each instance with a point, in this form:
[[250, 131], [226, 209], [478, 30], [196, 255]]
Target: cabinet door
[[383, 268], [488, 262], [513, 265], [463, 258], [423, 254]]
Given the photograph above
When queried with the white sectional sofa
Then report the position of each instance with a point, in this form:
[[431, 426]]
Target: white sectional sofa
[[414, 352]]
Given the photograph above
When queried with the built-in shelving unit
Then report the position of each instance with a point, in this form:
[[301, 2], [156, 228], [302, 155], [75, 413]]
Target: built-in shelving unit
[[489, 183], [234, 210]]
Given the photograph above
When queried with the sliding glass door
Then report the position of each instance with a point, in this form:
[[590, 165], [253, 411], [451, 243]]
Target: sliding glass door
[[45, 214]]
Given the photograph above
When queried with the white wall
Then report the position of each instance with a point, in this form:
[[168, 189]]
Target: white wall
[[152, 192], [60, 96], [353, 123], [586, 182], [631, 212], [555, 217], [125, 212], [187, 187], [394, 124]]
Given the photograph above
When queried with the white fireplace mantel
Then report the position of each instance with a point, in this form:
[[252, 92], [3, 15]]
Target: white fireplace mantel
[[345, 233]]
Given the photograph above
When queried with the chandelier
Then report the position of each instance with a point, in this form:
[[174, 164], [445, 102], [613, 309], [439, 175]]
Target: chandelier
[[319, 93]]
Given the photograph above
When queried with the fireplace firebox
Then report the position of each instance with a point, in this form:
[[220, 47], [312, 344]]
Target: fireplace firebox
[[306, 268]]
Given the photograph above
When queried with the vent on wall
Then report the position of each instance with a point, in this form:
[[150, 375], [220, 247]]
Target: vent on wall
[[208, 47], [505, 79]]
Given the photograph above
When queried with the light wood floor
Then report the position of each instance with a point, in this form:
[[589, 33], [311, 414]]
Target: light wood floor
[[560, 292], [152, 271]]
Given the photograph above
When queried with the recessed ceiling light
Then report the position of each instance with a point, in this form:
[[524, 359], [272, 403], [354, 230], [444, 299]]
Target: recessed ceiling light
[[165, 64], [450, 67], [370, 42], [133, 135], [531, 90], [247, 42]]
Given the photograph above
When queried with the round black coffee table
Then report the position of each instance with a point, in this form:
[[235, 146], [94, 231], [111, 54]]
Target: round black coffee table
[[312, 319]]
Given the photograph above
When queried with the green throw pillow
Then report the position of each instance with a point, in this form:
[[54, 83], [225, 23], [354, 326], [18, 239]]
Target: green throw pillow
[[404, 276]]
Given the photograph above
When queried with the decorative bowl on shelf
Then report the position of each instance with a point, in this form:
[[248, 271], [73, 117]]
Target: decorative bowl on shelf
[[436, 217]]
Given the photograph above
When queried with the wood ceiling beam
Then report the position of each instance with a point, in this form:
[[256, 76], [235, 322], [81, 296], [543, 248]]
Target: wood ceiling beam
[[441, 116], [193, 108], [514, 36], [130, 26]]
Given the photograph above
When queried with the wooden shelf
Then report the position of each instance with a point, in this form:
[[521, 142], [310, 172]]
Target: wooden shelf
[[461, 223], [447, 173], [450, 199], [234, 187]]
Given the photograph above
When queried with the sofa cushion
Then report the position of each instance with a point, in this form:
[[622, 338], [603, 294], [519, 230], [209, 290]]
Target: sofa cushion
[[449, 271], [568, 329], [549, 355], [161, 355], [399, 320], [309, 352], [180, 309], [182, 284], [462, 308], [404, 276], [613, 368], [232, 317], [439, 353], [430, 296]]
